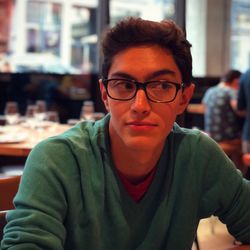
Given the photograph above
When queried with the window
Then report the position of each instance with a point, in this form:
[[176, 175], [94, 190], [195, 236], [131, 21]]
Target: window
[[51, 36], [147, 9], [60, 36], [84, 38], [240, 35], [43, 27]]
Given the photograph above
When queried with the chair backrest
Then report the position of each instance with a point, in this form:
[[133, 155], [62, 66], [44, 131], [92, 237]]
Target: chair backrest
[[246, 159], [8, 189]]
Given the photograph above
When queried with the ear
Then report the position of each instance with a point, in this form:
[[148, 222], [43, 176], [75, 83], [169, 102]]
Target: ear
[[185, 97], [104, 94]]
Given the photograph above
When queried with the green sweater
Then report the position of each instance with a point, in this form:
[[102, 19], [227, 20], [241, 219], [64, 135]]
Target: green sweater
[[70, 196]]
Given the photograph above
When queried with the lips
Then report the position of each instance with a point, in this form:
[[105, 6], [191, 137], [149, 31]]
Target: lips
[[140, 123], [141, 126]]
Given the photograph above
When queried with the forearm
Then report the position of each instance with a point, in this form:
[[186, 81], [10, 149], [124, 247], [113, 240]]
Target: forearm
[[40, 208], [241, 113]]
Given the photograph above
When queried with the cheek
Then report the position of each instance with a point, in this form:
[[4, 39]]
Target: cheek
[[116, 108], [167, 116]]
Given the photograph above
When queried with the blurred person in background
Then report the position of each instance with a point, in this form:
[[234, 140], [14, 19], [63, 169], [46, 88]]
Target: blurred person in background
[[134, 179], [222, 122], [244, 110], [5, 66]]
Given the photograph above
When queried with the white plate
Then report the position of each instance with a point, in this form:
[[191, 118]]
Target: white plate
[[42, 124], [12, 138], [2, 129]]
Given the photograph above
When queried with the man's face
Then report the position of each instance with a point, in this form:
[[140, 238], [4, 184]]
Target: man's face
[[235, 83], [140, 124]]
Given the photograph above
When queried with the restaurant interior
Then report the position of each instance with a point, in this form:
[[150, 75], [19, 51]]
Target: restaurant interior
[[49, 54]]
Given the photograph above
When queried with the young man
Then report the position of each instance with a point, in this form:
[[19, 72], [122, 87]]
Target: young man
[[133, 180]]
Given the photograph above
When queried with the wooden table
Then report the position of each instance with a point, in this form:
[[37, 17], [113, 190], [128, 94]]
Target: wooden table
[[242, 247], [22, 149], [196, 108]]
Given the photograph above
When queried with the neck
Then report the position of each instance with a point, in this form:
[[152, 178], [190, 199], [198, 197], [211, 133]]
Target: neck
[[229, 85], [134, 164]]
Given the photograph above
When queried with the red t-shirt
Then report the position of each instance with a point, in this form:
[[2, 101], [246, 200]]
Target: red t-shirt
[[137, 191]]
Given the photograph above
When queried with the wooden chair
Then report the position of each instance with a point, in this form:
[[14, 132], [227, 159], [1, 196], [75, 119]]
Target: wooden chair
[[231, 147], [8, 188], [246, 160]]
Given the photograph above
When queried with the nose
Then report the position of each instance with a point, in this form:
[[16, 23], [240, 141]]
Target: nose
[[141, 104]]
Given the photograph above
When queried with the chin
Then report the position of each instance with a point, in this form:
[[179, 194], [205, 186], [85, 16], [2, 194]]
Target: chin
[[142, 144]]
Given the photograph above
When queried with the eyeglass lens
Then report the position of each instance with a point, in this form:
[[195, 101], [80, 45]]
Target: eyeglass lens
[[162, 91]]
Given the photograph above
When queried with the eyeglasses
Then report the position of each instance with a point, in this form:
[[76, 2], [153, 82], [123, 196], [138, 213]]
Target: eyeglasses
[[156, 91]]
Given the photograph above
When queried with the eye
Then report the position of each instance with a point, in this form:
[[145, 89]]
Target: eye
[[161, 85], [123, 84], [165, 85]]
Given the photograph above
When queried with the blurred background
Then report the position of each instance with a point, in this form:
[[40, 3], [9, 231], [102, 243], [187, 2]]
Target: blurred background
[[49, 49], [50, 61]]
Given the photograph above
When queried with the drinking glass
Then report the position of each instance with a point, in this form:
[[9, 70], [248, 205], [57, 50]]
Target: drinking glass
[[41, 110], [11, 113], [30, 116], [87, 111], [53, 116]]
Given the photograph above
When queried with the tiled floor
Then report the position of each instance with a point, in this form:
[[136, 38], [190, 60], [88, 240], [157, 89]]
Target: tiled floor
[[213, 235]]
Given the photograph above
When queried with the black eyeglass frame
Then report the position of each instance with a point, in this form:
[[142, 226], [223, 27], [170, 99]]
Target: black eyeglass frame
[[143, 86]]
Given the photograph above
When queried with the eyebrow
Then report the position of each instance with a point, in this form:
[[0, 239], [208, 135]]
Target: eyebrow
[[150, 76]]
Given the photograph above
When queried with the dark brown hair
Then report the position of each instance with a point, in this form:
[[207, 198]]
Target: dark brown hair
[[230, 75], [133, 31]]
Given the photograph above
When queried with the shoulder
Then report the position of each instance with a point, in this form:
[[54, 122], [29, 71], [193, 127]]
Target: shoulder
[[78, 140], [68, 156], [194, 134], [202, 156], [210, 92], [195, 143]]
